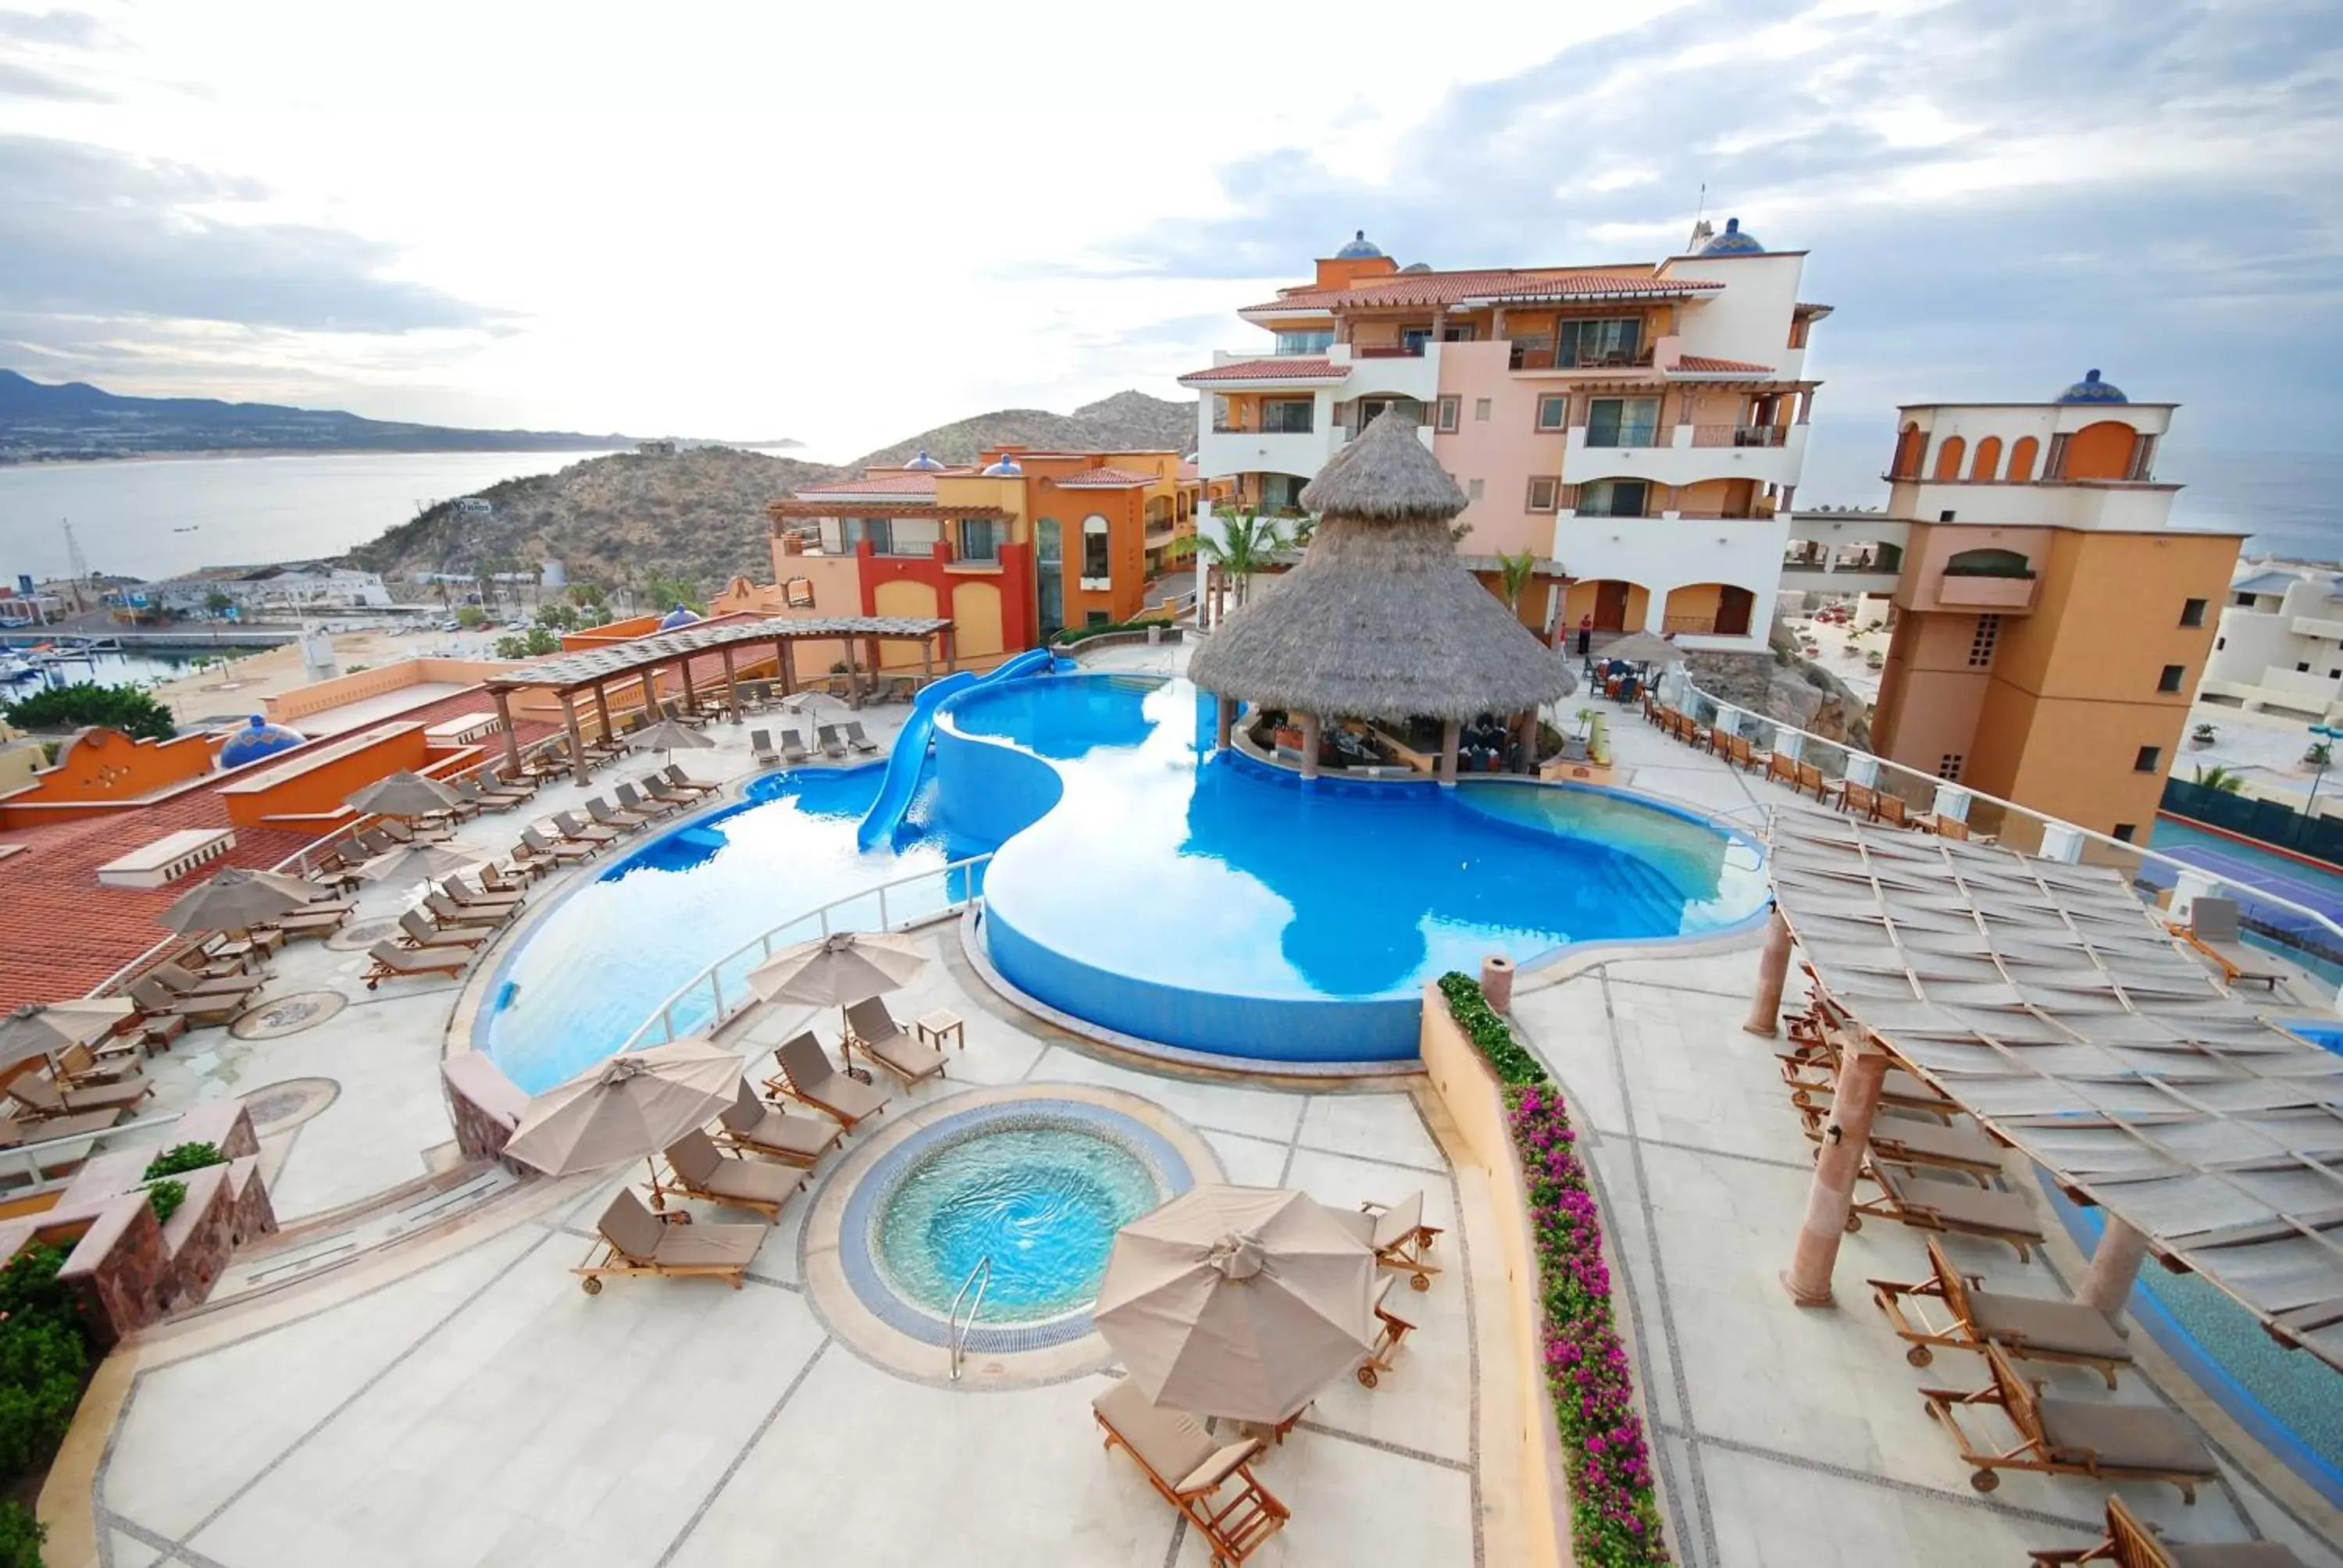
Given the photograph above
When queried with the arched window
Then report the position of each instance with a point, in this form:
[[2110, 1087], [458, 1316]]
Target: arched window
[[1098, 557], [1988, 564], [1907, 453], [1949, 455], [1987, 464], [2021, 461]]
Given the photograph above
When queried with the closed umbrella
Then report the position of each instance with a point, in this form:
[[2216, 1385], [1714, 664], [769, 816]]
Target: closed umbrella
[[668, 735], [39, 1028], [628, 1108], [1238, 1301], [403, 795], [237, 900]]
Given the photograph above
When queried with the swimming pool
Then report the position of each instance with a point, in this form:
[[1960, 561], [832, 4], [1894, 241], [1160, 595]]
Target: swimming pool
[[1211, 903]]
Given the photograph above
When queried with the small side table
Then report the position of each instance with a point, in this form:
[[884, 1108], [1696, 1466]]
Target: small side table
[[159, 1033], [936, 1027]]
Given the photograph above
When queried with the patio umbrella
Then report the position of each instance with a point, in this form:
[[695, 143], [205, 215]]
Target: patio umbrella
[[417, 863], [237, 900], [1642, 648], [668, 735], [841, 968], [628, 1108], [403, 795], [37, 1028], [1238, 1301]]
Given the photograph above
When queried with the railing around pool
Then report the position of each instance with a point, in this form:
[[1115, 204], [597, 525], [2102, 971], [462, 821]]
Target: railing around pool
[[710, 998], [2304, 935]]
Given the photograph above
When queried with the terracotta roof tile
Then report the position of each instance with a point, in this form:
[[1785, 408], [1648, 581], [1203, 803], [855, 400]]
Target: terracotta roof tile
[[1703, 363], [1268, 370], [1435, 289], [1107, 477], [916, 483]]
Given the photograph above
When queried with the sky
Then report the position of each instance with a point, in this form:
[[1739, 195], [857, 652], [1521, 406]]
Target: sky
[[845, 224]]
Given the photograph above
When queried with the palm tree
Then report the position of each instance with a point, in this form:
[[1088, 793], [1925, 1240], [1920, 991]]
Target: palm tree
[[1516, 572], [1242, 549], [2220, 779]]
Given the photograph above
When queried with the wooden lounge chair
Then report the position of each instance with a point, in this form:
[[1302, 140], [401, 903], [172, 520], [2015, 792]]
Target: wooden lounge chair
[[806, 1076], [389, 961], [872, 1031], [1391, 1331], [422, 830], [418, 932], [1814, 1083], [793, 749], [17, 1131], [41, 1096], [448, 916], [761, 743], [83, 1066], [317, 921], [751, 1123], [482, 897], [2131, 1543], [542, 848], [634, 1240], [2027, 1327], [575, 833], [833, 743], [859, 741], [201, 1011], [1188, 1471], [644, 806], [1919, 1140], [2212, 930], [1399, 1236], [696, 1168], [1955, 1208], [481, 800], [183, 982], [610, 817], [678, 779], [2097, 1438]]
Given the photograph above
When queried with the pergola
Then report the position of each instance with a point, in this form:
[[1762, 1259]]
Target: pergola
[[2048, 1001], [592, 670]]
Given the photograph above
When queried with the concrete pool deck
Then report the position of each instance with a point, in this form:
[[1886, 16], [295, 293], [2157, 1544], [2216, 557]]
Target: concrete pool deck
[[451, 1397]]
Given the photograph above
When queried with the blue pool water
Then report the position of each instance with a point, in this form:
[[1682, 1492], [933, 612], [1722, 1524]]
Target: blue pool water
[[1206, 902]]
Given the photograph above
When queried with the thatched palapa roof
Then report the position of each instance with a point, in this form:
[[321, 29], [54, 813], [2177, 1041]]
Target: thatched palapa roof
[[1381, 619]]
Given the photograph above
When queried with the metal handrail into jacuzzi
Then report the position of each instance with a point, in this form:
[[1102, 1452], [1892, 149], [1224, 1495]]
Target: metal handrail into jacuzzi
[[981, 1277], [660, 1027]]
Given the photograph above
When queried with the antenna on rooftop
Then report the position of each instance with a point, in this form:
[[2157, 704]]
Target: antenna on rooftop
[[76, 564], [1701, 232]]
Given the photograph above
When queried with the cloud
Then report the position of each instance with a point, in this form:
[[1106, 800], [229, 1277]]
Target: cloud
[[24, 82], [88, 232], [66, 29]]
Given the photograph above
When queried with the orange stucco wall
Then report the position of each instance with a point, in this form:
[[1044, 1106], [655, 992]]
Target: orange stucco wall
[[322, 781], [2100, 451], [101, 767]]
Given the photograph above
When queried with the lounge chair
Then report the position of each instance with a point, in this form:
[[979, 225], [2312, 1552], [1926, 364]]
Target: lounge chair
[[389, 961], [2027, 1327], [678, 779], [691, 717], [793, 746], [448, 916], [1918, 1140], [833, 743], [872, 1030], [17, 1131], [2098, 1438], [182, 982], [617, 821], [2212, 930], [518, 788], [1399, 1236], [541, 848], [155, 1002], [761, 743], [696, 1168], [1391, 1331], [634, 1240], [750, 1124], [36, 1094], [575, 833], [480, 799], [319, 920], [482, 897], [1815, 1084], [514, 876], [1855, 797], [418, 932], [1890, 810], [1188, 1470], [806, 1076], [656, 787], [81, 1066], [1954, 1208], [2130, 1543], [420, 831], [859, 741], [633, 799]]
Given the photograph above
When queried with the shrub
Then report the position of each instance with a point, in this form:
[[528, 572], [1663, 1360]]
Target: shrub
[[44, 1353], [471, 616], [182, 1158], [165, 1198], [1615, 1521], [21, 1535], [1072, 635], [1487, 1030], [84, 703]]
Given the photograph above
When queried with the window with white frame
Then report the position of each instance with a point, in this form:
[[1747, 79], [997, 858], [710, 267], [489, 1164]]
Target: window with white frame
[[1481, 408], [1553, 411], [1098, 556], [1449, 408], [1544, 493]]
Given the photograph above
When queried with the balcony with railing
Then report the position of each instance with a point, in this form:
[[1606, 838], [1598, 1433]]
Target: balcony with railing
[[1740, 435], [1535, 354]]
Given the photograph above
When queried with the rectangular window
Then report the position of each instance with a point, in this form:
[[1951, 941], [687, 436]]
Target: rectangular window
[[798, 593], [2148, 758], [979, 540], [1622, 421], [1982, 640], [2192, 612], [2219, 643], [1948, 766], [2123, 831], [1481, 407], [1414, 339], [2171, 677], [1449, 409], [1313, 342], [1094, 617], [1287, 415], [1472, 491], [1610, 342], [1553, 411], [1542, 492], [1615, 499], [1457, 332], [880, 531], [1098, 562], [2302, 668], [2244, 601]]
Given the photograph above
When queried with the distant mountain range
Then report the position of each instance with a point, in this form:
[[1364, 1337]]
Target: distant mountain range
[[1127, 422], [77, 421]]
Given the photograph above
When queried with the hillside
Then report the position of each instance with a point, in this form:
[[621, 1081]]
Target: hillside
[[1128, 421], [39, 422]]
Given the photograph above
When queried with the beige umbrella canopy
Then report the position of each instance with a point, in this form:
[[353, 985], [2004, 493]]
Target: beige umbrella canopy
[[403, 795], [667, 736], [237, 900], [39, 1028], [628, 1108], [841, 968], [1238, 1301], [417, 863], [1642, 648]]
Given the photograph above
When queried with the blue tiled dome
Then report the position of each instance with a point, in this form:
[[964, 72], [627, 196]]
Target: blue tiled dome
[[1003, 467], [923, 463], [2091, 389], [256, 739], [1358, 249], [677, 619], [1733, 242]]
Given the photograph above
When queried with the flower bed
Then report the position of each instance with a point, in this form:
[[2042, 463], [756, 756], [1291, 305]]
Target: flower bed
[[1615, 1517]]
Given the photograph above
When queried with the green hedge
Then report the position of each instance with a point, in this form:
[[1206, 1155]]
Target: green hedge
[[181, 1158], [165, 1198], [20, 1537], [44, 1357], [1487, 1030]]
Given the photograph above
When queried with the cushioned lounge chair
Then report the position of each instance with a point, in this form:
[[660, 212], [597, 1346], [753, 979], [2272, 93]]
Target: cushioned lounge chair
[[871, 1031], [418, 932], [575, 833], [2025, 1326], [2212, 930], [2130, 1543], [556, 849], [806, 1076], [320, 920], [450, 916], [155, 1002], [761, 743], [482, 897], [633, 799], [609, 817], [750, 1124], [81, 1066], [679, 779], [634, 1240], [2098, 1438], [16, 1131], [1955, 1208], [36, 1094], [793, 746], [1211, 1483], [1814, 1084], [388, 961], [183, 982], [833, 743], [696, 1168], [1399, 1236], [859, 741], [1919, 1140]]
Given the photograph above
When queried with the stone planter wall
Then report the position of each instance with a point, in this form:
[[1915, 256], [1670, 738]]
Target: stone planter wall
[[484, 1104]]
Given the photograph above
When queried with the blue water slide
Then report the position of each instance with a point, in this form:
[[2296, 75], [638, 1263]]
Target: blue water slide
[[909, 755]]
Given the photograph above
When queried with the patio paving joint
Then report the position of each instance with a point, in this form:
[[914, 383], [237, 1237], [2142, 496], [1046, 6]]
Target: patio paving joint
[[741, 1456]]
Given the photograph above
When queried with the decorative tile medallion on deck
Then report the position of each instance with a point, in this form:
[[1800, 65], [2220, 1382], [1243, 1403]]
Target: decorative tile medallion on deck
[[289, 1015], [283, 1106]]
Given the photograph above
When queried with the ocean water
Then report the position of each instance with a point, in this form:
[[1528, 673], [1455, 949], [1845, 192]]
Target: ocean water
[[160, 517]]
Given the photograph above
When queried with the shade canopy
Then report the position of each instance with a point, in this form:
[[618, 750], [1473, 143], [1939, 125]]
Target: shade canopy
[[628, 1108], [1642, 648], [841, 968], [403, 795], [39, 1028], [667, 735], [418, 863], [236, 901], [1381, 619], [1238, 1301]]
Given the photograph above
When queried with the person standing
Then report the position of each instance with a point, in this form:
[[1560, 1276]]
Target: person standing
[[1585, 635]]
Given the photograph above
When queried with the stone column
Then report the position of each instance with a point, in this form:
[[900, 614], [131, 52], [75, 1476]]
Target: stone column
[[732, 685], [1309, 736], [1773, 973], [784, 662], [602, 708], [512, 741], [2115, 1266], [1224, 720], [853, 677], [690, 696], [870, 650], [650, 697], [577, 742], [1832, 1195], [1452, 735]]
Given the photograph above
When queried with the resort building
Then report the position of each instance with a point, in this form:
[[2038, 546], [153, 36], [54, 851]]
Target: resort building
[[2051, 623], [1643, 422], [1011, 549], [2279, 649]]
